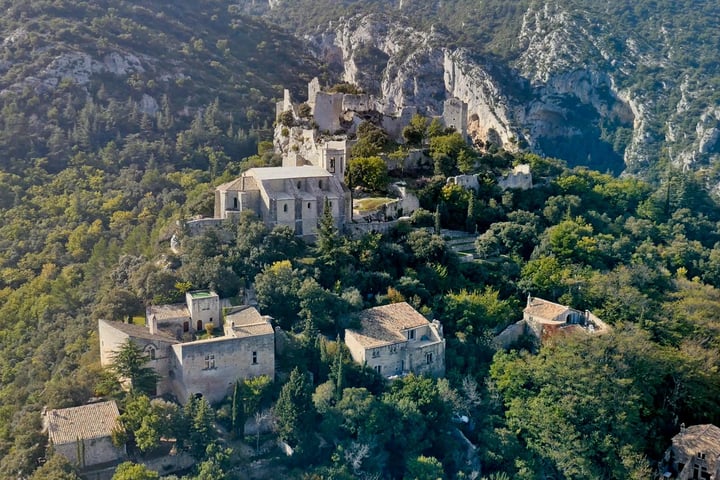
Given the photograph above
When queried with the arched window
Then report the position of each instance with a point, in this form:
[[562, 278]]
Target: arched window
[[150, 351]]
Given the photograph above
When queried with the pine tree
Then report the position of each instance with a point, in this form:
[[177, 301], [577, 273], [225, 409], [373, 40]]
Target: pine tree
[[338, 370]]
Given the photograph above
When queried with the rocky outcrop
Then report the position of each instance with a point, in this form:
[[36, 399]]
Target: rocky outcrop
[[416, 71]]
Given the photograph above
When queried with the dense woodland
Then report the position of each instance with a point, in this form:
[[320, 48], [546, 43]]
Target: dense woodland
[[90, 192]]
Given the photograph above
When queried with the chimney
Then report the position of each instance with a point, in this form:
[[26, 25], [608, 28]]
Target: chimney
[[153, 325], [529, 300]]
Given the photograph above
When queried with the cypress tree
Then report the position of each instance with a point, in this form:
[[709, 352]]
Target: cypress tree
[[238, 411]]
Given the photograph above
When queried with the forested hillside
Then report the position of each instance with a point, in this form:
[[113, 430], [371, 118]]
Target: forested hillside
[[118, 120], [117, 117]]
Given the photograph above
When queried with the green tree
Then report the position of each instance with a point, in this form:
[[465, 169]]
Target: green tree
[[424, 468], [238, 414], [129, 363], [294, 410], [276, 287], [134, 471], [368, 172], [56, 467]]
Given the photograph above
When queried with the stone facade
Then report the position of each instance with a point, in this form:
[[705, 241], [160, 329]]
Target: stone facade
[[83, 434], [694, 454], [396, 340], [455, 115], [245, 349], [520, 177], [290, 196]]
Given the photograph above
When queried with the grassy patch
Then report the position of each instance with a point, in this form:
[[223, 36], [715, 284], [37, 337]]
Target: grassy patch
[[372, 203], [139, 320]]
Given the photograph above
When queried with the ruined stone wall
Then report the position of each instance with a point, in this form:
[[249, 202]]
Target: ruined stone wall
[[357, 103], [455, 114], [327, 111]]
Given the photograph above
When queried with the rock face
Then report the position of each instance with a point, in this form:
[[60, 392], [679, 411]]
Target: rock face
[[571, 90], [405, 67]]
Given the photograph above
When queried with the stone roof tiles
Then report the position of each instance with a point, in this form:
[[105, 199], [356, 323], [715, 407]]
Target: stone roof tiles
[[247, 322], [537, 307], [699, 438], [386, 324], [86, 422], [139, 331]]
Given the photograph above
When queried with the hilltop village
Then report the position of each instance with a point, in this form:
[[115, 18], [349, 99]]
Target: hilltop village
[[210, 348]]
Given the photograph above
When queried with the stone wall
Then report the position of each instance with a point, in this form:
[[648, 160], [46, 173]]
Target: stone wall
[[455, 114], [96, 451], [468, 182], [327, 111], [212, 366], [357, 103], [510, 335], [361, 228]]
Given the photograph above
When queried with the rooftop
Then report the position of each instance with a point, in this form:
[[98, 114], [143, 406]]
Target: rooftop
[[167, 312], [247, 322], [202, 294], [386, 324], [282, 173], [538, 307], [96, 420], [699, 438], [139, 331]]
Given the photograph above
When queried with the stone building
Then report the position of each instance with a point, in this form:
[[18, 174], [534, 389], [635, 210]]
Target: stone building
[[694, 454], [520, 178], [243, 345], [83, 434], [396, 340], [545, 319], [291, 196]]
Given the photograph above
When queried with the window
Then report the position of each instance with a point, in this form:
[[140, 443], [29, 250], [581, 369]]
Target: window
[[254, 357], [320, 183], [199, 325], [299, 184], [151, 350], [285, 208], [332, 165], [378, 368], [186, 326], [375, 353], [308, 205], [428, 358], [209, 361], [235, 203], [411, 334], [393, 348]]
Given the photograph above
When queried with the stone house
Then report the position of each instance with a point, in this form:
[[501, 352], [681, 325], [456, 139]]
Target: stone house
[[243, 348], [291, 196], [545, 319], [83, 434], [694, 454], [396, 340]]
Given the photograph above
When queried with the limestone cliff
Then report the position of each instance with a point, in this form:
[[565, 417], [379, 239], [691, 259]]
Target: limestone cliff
[[606, 84], [539, 108]]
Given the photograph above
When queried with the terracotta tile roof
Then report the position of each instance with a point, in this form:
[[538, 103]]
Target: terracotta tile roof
[[544, 309], [699, 438], [86, 422], [139, 331], [168, 312], [386, 324], [247, 322]]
